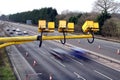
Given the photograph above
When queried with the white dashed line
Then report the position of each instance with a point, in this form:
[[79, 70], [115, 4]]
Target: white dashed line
[[77, 62], [58, 62], [78, 76], [103, 74]]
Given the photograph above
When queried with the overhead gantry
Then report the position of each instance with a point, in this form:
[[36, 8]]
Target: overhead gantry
[[88, 28]]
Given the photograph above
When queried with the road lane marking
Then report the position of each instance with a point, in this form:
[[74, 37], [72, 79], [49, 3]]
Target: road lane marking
[[58, 62], [103, 74], [15, 50], [57, 43], [78, 76], [14, 67], [77, 61], [96, 54], [35, 74]]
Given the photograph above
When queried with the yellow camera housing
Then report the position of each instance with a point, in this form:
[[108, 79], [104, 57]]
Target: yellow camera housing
[[96, 27], [62, 25], [90, 25], [70, 26], [41, 25], [51, 26], [67, 28]]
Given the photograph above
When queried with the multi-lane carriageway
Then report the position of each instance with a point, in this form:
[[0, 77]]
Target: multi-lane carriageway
[[48, 67]]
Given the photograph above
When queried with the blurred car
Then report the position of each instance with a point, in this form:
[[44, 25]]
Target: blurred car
[[18, 30], [13, 29], [59, 53], [7, 29], [10, 32], [25, 32], [78, 53], [19, 33]]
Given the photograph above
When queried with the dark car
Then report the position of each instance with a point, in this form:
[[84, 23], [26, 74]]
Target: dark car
[[13, 29], [59, 53], [78, 53], [7, 29], [10, 32]]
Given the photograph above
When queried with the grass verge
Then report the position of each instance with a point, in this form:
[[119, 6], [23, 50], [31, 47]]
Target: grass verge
[[6, 72]]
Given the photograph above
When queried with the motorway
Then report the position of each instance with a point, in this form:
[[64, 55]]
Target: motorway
[[72, 69], [107, 48]]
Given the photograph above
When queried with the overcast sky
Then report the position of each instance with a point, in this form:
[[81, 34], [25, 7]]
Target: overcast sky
[[14, 6]]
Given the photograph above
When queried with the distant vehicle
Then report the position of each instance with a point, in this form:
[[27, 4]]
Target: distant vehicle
[[78, 53], [59, 53], [13, 29], [25, 32], [18, 30], [7, 29], [19, 33], [10, 32]]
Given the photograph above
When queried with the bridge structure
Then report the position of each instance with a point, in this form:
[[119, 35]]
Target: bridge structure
[[89, 27]]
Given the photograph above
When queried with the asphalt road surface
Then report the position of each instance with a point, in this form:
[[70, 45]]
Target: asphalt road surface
[[72, 69], [103, 47]]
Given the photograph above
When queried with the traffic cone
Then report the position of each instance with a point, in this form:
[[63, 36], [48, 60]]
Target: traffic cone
[[79, 41], [34, 62], [50, 77], [99, 47], [27, 77], [118, 51], [26, 54]]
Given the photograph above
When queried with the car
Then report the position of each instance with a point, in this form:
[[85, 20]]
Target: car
[[10, 32], [7, 29], [79, 53], [25, 32], [13, 29], [19, 33], [18, 30], [59, 53]]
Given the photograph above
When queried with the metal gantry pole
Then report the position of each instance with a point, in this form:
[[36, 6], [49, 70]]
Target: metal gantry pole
[[7, 41]]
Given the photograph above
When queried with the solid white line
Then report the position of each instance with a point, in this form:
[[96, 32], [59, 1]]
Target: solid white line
[[35, 74], [77, 61], [14, 67], [29, 66], [58, 62], [103, 74], [78, 76]]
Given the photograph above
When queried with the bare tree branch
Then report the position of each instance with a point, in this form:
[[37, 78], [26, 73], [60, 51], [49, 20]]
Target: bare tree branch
[[110, 6]]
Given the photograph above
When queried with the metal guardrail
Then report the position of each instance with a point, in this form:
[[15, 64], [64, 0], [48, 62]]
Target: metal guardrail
[[105, 57], [113, 40]]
